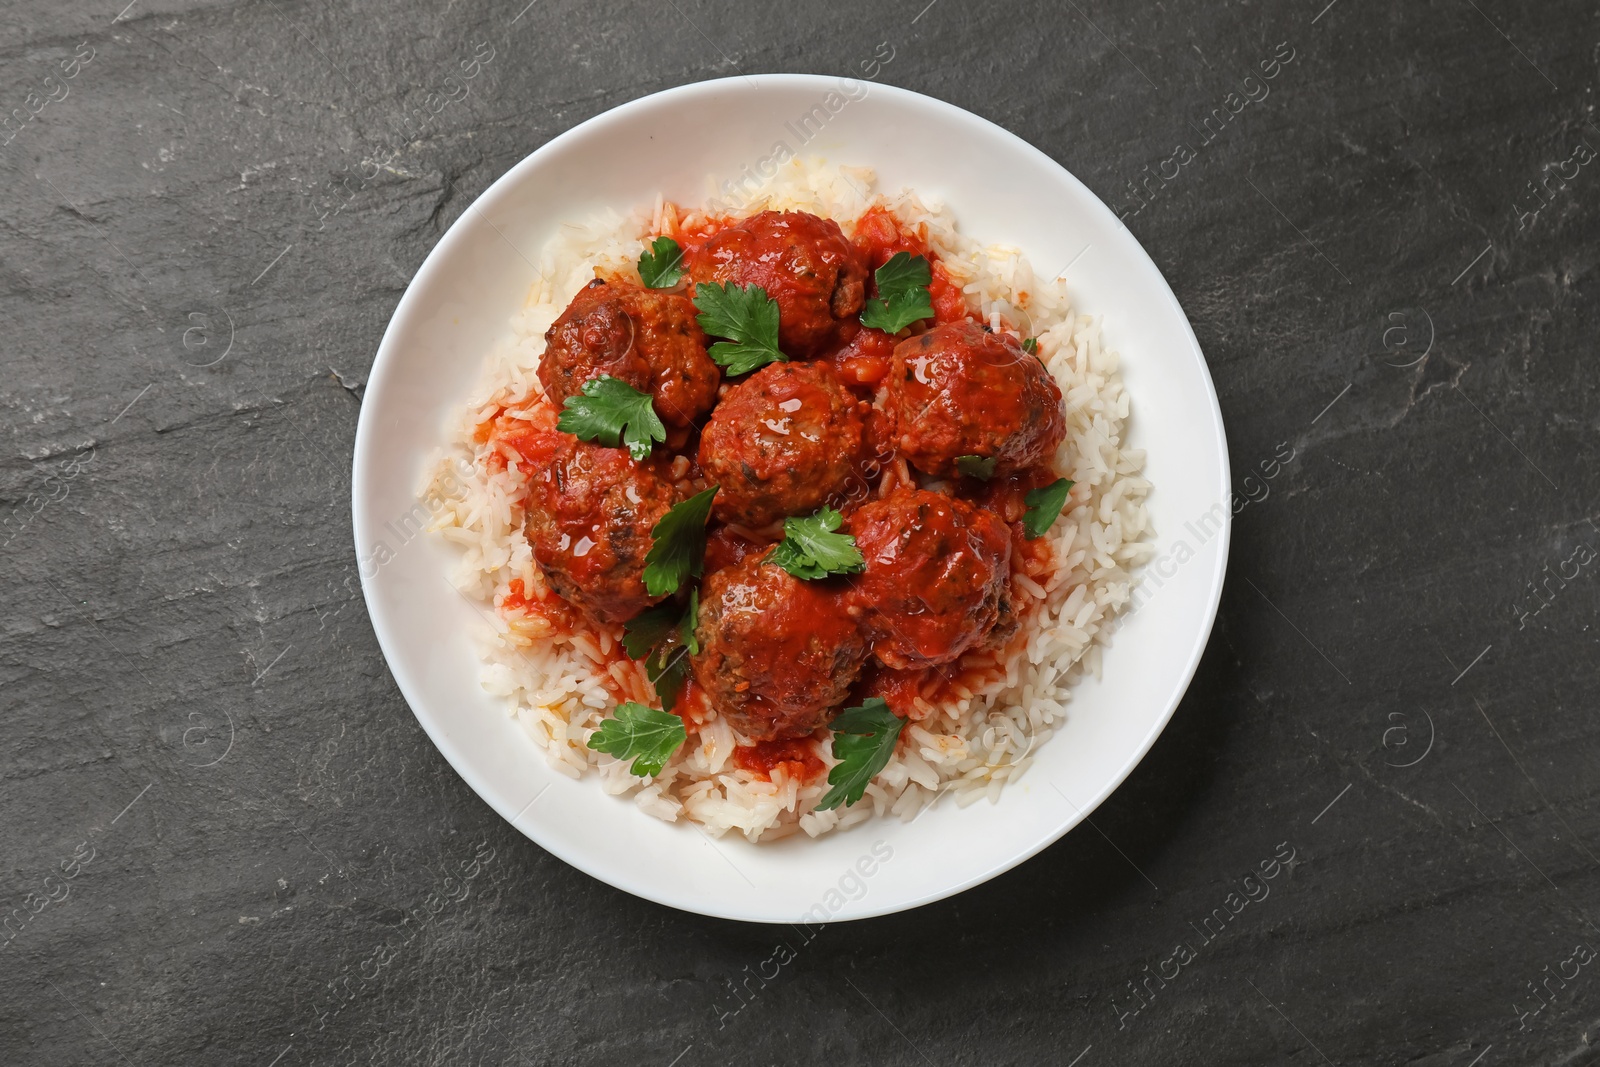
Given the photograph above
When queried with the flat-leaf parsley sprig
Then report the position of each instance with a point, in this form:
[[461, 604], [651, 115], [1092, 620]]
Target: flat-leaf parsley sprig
[[1044, 506], [747, 317], [661, 265], [610, 410], [810, 549], [664, 638], [903, 296], [863, 741], [679, 548], [644, 735], [977, 467]]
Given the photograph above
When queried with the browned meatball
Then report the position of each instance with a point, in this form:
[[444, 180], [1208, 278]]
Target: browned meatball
[[590, 513], [960, 390], [936, 573], [781, 442], [644, 337], [803, 262], [777, 654]]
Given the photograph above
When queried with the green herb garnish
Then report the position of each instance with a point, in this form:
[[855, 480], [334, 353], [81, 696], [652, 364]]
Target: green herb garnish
[[691, 619], [645, 735], [661, 265], [642, 633], [667, 672], [664, 638], [679, 550], [903, 296], [609, 410], [1044, 505], [976, 467], [747, 317], [863, 740], [1031, 346], [810, 549]]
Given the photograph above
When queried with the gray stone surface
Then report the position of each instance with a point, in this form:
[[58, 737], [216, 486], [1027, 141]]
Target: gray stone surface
[[224, 839]]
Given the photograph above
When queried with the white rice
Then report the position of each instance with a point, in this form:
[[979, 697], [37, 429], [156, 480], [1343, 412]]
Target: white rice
[[1008, 702]]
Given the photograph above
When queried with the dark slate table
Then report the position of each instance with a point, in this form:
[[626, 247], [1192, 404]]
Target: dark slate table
[[225, 840]]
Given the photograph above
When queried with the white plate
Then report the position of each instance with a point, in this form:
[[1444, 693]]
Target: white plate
[[1001, 190]]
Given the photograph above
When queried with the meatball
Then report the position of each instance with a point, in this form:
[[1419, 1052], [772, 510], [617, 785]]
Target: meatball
[[777, 654], [591, 510], [781, 442], [644, 337], [804, 262], [960, 390], [936, 575]]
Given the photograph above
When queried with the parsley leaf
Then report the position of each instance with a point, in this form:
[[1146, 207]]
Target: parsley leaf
[[691, 619], [610, 409], [903, 296], [748, 317], [664, 638], [642, 633], [1031, 346], [647, 736], [863, 740], [976, 467], [903, 273], [667, 672], [662, 265], [1044, 505], [679, 550], [810, 549]]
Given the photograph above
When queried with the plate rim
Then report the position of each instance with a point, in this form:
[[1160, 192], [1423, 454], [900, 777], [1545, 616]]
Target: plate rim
[[382, 370]]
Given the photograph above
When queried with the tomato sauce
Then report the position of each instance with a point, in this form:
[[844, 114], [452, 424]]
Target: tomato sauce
[[560, 616], [1008, 496], [899, 689], [485, 428], [724, 548], [866, 359], [949, 301], [516, 598], [526, 439], [795, 757], [879, 235], [691, 706]]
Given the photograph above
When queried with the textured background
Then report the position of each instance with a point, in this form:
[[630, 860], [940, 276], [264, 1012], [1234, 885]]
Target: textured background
[[225, 840]]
